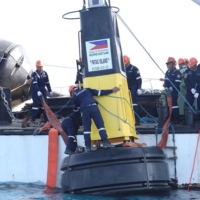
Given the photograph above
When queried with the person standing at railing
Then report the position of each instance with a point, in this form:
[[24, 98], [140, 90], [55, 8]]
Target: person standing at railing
[[134, 84], [192, 82], [172, 83], [182, 64], [183, 68], [40, 81]]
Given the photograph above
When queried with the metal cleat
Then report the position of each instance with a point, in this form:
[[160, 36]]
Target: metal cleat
[[170, 147], [173, 158], [37, 132]]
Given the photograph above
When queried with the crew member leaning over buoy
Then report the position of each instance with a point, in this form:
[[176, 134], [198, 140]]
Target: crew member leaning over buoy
[[84, 100], [71, 125]]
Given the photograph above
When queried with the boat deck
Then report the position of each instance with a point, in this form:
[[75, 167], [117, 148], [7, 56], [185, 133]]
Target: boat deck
[[15, 129], [151, 128], [56, 105]]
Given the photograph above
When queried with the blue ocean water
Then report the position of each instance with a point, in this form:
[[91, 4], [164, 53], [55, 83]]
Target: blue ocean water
[[15, 191]]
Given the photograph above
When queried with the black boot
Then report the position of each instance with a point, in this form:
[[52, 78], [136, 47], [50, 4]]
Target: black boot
[[163, 112], [107, 145], [189, 117], [68, 151], [185, 113], [88, 149], [136, 114]]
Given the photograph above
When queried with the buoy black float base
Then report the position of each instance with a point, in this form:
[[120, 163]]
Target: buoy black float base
[[116, 171]]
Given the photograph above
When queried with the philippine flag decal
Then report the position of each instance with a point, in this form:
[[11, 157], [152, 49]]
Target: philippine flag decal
[[101, 44]]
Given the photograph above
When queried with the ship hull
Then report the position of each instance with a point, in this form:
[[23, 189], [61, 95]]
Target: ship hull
[[24, 158]]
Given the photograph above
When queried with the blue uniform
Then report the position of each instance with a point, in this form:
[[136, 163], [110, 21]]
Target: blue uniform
[[79, 76], [39, 82], [134, 83], [182, 93], [84, 100], [192, 80], [198, 66], [71, 125], [173, 80]]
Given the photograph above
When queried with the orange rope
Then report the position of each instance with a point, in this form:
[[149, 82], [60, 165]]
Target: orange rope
[[165, 128], [54, 120], [46, 126], [133, 144], [195, 155]]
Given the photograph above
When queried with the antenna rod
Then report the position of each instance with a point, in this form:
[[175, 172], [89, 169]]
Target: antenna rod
[[84, 4]]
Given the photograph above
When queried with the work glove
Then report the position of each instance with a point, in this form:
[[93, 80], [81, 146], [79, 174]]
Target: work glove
[[171, 89], [193, 91], [51, 94], [196, 95], [139, 91], [39, 93]]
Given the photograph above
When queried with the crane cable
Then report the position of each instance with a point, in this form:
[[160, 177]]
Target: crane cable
[[124, 23], [30, 63], [163, 130]]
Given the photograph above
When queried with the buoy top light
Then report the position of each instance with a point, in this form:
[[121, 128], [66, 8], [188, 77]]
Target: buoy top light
[[96, 3]]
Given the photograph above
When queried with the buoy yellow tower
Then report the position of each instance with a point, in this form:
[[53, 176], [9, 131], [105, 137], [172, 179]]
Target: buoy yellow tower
[[104, 69]]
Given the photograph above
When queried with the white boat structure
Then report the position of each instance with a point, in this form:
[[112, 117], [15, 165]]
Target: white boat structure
[[24, 157]]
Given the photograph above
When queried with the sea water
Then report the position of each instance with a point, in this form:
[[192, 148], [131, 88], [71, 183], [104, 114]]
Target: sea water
[[20, 191]]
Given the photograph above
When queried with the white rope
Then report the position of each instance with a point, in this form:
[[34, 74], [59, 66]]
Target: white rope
[[34, 64]]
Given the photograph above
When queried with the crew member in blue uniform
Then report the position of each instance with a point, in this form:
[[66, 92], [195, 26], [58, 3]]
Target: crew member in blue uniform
[[71, 125], [134, 84], [84, 100], [79, 75], [192, 82], [40, 80], [183, 68], [172, 82]]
